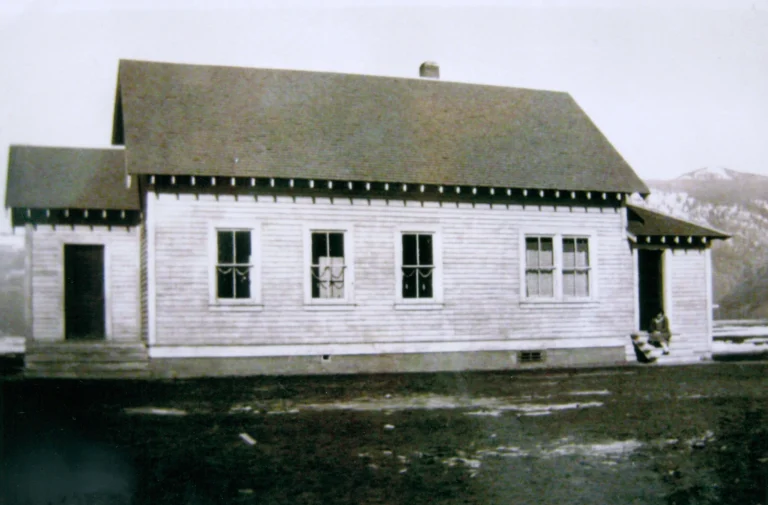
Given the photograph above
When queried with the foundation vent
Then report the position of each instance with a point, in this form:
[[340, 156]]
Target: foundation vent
[[525, 357]]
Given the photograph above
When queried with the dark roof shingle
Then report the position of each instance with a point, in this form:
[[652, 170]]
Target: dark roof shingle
[[61, 178], [643, 222], [230, 121]]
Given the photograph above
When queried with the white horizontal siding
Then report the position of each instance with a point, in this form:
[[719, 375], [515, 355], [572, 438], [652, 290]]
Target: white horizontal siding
[[688, 290], [122, 248], [481, 274]]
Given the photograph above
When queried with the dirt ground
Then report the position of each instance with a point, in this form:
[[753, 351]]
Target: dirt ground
[[673, 435]]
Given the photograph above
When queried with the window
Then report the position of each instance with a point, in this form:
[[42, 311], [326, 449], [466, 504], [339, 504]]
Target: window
[[418, 266], [576, 267], [327, 269], [539, 267], [233, 265], [558, 267]]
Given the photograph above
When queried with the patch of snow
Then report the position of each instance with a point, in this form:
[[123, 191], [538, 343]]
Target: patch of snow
[[708, 174], [470, 463], [604, 373], [610, 449], [436, 402], [241, 409], [750, 346], [529, 408], [741, 331], [12, 345], [702, 441], [156, 411], [280, 412], [484, 413], [511, 452], [602, 392], [692, 397]]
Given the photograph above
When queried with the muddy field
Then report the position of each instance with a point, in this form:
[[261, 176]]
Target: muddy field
[[681, 435]]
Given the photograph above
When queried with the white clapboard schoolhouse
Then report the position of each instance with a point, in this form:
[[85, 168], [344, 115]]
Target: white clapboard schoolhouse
[[255, 221]]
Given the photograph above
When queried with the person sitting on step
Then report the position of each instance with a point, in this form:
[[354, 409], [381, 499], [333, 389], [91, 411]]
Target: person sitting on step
[[659, 331]]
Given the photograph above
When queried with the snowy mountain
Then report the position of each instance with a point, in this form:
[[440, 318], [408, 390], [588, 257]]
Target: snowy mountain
[[736, 203], [710, 174]]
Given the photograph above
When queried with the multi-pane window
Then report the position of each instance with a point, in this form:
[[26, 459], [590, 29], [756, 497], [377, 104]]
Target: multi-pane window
[[327, 264], [418, 266], [558, 267], [575, 267], [233, 264], [539, 267]]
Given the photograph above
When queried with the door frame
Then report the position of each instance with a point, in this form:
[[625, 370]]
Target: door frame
[[107, 287], [666, 291]]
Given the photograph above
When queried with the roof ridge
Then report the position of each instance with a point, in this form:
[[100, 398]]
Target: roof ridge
[[427, 81]]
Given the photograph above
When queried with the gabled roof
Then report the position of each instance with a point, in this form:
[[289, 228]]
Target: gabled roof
[[64, 178], [643, 222], [209, 120]]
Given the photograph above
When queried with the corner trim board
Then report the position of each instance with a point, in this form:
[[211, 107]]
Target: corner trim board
[[151, 288]]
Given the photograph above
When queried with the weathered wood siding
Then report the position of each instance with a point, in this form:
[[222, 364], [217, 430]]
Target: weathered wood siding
[[121, 262], [687, 274], [481, 275]]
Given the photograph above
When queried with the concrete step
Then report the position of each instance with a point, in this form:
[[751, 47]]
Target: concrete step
[[86, 373], [95, 366], [79, 352], [88, 370], [100, 357]]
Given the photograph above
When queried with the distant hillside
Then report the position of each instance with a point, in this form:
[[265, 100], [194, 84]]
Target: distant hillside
[[736, 203]]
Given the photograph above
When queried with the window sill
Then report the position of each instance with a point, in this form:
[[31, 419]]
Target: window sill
[[319, 306], [559, 302], [235, 307], [419, 305]]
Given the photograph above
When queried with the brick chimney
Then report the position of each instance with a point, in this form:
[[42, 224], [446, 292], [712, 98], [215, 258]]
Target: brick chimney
[[429, 70]]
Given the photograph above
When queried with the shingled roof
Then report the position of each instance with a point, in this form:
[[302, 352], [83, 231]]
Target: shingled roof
[[210, 120], [644, 222], [64, 178]]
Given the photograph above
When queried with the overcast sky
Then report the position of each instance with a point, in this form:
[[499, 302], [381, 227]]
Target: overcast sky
[[675, 85]]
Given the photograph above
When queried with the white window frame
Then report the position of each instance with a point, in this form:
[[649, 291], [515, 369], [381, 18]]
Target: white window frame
[[436, 302], [554, 268], [588, 268], [348, 300], [255, 301], [557, 242]]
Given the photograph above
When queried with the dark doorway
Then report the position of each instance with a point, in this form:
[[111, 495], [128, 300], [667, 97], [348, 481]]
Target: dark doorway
[[651, 285], [84, 292]]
